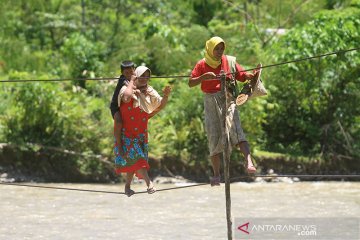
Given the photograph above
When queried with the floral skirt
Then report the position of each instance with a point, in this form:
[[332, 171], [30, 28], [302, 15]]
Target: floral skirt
[[134, 154]]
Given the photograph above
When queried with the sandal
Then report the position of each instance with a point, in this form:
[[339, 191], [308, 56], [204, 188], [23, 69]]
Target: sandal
[[241, 99], [248, 89], [151, 190], [129, 192], [244, 95], [215, 181]]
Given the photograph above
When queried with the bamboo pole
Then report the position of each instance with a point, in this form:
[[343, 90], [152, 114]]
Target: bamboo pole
[[226, 158]]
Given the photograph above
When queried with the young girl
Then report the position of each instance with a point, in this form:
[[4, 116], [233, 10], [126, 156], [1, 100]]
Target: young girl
[[137, 103]]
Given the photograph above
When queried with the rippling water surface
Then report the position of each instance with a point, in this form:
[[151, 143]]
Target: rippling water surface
[[190, 213]]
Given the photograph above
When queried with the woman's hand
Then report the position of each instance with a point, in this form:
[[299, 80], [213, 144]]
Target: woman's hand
[[132, 82], [130, 89], [167, 91], [250, 76], [208, 76], [197, 80], [136, 91]]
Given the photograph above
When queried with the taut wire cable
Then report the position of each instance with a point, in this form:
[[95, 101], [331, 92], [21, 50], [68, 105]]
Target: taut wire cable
[[190, 184], [178, 76]]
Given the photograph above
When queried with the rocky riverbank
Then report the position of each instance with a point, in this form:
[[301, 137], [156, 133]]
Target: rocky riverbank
[[19, 164]]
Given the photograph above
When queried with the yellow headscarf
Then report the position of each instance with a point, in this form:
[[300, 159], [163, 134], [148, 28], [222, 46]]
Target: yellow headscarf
[[209, 47]]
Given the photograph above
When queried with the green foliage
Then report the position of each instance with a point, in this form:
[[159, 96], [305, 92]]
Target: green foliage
[[44, 113], [310, 107], [205, 10], [313, 100], [83, 57], [182, 131]]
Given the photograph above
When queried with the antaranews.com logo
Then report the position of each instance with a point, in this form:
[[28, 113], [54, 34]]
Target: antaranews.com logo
[[297, 228], [303, 230]]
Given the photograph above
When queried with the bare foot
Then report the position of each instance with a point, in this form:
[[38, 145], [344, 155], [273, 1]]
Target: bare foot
[[128, 191], [250, 167], [151, 189], [215, 181]]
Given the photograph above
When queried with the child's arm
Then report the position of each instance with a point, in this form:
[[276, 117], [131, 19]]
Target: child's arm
[[164, 100], [117, 131]]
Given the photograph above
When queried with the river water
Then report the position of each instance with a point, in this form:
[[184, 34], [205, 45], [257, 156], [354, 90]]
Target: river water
[[189, 213]]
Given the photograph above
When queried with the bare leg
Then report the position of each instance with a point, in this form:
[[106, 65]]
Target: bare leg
[[216, 164], [245, 149], [117, 130], [144, 173], [129, 177], [149, 184]]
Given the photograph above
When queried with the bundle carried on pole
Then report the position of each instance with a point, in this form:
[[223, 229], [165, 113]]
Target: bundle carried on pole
[[226, 156], [252, 89]]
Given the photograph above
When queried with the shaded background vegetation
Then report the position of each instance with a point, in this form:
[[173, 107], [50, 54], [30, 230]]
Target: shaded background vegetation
[[311, 110]]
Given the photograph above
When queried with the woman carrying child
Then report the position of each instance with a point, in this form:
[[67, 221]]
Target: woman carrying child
[[137, 102]]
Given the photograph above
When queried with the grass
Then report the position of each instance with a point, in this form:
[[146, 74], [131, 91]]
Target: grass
[[286, 156]]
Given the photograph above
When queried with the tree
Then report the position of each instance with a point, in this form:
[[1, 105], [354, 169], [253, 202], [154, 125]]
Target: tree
[[83, 56], [312, 108]]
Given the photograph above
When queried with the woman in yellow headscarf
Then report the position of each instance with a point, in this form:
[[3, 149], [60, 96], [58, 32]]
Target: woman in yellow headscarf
[[205, 73]]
